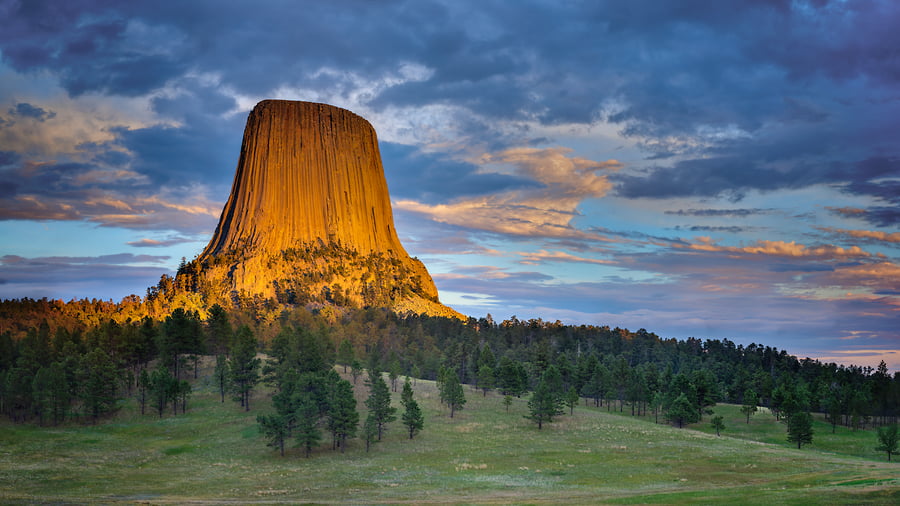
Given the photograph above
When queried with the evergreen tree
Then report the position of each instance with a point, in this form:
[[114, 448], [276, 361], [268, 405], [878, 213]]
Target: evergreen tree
[[243, 365], [456, 397], [888, 439], [682, 411], [394, 373], [407, 394], [307, 431], [412, 415], [750, 402], [184, 392], [219, 333], [507, 401], [275, 430], [485, 379], [356, 370], [799, 428], [717, 423], [345, 355], [370, 430], [706, 389], [143, 389], [833, 407], [40, 393], [99, 379], [594, 388], [220, 374], [181, 334], [343, 418], [59, 393], [572, 399], [543, 405], [656, 402], [18, 393], [160, 386], [379, 403]]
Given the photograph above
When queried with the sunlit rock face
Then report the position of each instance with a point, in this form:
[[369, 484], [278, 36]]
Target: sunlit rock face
[[309, 218]]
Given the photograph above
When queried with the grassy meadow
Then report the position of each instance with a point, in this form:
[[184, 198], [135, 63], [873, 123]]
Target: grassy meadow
[[484, 455]]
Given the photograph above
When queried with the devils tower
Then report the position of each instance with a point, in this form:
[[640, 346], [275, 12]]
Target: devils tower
[[309, 219]]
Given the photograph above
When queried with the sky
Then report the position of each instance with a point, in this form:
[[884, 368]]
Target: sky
[[718, 170]]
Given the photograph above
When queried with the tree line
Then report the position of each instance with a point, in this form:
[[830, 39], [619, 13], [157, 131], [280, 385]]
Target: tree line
[[100, 363]]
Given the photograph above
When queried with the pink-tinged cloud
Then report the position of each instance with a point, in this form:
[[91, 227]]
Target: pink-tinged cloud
[[882, 277], [847, 211], [778, 248], [862, 357], [544, 256], [874, 235], [546, 211], [154, 243]]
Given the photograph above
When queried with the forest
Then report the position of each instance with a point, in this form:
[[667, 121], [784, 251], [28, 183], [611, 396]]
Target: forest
[[77, 361]]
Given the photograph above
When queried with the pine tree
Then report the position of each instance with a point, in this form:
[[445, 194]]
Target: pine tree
[[99, 378], [572, 399], [356, 370], [160, 387], [275, 430], [485, 379], [543, 405], [243, 365], [143, 389], [412, 415], [221, 375], [343, 418], [888, 440], [307, 431], [345, 355], [682, 411], [750, 402], [379, 403], [394, 372], [184, 392], [799, 428], [456, 397], [717, 423], [370, 430]]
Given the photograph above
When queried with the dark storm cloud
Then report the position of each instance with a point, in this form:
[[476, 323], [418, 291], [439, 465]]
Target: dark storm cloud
[[88, 45], [734, 176], [26, 110], [432, 178], [745, 96]]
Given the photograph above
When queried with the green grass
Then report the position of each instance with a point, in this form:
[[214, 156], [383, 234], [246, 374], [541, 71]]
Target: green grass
[[484, 455]]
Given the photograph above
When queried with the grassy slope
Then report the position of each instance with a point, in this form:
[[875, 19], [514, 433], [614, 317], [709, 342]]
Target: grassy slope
[[483, 455]]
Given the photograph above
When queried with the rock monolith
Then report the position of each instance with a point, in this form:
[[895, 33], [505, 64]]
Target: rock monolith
[[309, 218]]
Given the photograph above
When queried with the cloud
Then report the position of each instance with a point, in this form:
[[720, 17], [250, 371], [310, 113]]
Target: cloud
[[109, 197], [156, 243], [871, 235], [544, 256], [730, 213], [779, 248], [26, 110], [104, 276], [544, 211], [431, 177]]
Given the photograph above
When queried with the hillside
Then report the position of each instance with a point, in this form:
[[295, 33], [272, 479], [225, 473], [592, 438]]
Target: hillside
[[484, 455]]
